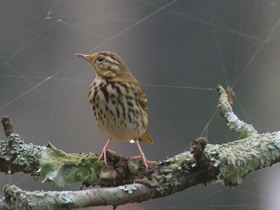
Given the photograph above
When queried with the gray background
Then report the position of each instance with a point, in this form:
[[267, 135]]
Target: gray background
[[169, 43]]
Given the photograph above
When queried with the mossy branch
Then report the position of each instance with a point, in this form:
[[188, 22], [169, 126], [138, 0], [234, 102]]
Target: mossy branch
[[125, 180]]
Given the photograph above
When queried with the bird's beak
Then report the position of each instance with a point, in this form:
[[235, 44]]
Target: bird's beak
[[84, 57]]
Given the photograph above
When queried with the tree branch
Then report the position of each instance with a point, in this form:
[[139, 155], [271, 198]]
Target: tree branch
[[241, 128], [204, 163]]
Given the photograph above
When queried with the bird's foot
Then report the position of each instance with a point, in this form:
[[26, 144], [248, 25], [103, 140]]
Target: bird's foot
[[103, 155], [145, 161]]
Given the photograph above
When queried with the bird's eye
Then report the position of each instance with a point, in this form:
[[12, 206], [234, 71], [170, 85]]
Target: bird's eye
[[100, 59]]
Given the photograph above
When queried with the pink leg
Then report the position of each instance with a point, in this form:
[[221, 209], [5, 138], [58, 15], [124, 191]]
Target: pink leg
[[142, 156], [104, 151]]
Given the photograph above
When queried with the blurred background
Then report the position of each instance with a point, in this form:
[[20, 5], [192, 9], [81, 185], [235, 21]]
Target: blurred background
[[179, 50]]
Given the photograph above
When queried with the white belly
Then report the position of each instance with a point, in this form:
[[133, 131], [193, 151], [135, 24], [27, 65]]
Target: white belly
[[118, 131]]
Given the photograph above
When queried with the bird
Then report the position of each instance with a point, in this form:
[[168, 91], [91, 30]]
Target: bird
[[118, 102]]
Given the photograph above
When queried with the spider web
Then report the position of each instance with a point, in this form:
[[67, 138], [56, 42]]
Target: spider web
[[178, 50]]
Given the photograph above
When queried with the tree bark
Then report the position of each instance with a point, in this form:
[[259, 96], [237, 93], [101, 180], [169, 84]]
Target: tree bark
[[127, 181]]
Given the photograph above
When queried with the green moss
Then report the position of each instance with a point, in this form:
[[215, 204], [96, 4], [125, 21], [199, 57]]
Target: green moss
[[64, 169], [132, 166]]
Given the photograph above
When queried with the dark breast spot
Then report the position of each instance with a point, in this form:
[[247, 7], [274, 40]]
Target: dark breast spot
[[104, 90], [120, 102], [129, 117], [131, 110], [118, 90], [94, 96], [128, 97], [124, 115], [116, 87], [124, 86], [129, 103], [137, 126], [123, 108], [118, 112]]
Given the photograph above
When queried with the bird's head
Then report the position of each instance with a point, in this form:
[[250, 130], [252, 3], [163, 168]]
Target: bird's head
[[106, 64]]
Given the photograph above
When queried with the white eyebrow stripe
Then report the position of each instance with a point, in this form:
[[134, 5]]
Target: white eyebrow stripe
[[109, 58]]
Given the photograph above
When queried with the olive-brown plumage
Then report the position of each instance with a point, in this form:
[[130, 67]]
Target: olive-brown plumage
[[118, 102]]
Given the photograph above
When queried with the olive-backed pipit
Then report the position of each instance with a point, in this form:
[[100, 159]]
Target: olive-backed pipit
[[118, 102]]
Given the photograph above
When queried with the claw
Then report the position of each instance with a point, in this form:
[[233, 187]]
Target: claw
[[145, 161]]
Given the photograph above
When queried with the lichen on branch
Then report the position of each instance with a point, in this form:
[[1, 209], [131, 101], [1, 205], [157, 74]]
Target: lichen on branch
[[241, 128], [16, 156]]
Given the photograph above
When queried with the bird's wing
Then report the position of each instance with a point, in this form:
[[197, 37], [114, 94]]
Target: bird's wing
[[142, 99]]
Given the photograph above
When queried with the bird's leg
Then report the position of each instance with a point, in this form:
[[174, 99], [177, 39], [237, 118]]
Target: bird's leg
[[142, 156], [104, 152]]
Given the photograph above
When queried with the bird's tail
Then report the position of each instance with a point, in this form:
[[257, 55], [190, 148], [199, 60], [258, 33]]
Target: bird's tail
[[146, 138]]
